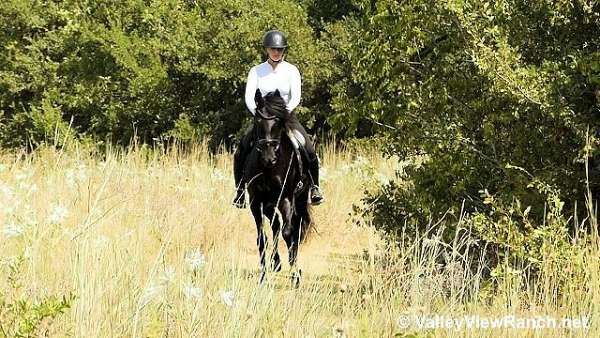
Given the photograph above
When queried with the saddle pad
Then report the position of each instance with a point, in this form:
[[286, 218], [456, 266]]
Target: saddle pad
[[297, 138]]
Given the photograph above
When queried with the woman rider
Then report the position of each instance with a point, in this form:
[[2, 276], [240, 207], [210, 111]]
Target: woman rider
[[269, 76]]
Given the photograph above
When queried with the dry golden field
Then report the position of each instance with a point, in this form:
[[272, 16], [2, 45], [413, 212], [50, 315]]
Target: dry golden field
[[148, 245]]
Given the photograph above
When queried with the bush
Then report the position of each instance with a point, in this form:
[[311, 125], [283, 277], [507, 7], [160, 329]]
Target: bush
[[115, 70], [21, 315], [496, 99], [479, 89]]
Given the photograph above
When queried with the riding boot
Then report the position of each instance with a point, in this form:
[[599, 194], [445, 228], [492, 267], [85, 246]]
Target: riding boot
[[316, 197]]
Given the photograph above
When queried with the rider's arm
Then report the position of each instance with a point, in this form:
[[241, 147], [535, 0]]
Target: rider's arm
[[295, 89], [251, 86]]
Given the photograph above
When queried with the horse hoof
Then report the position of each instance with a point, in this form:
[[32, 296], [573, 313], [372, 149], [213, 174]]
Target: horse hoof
[[296, 276]]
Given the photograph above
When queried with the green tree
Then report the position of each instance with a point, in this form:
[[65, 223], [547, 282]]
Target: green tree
[[495, 95], [114, 69]]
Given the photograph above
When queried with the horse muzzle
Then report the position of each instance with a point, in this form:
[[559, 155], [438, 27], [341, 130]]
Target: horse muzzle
[[269, 163]]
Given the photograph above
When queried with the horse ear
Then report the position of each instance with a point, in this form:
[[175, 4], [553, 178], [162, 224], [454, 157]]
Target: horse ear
[[277, 93], [258, 99]]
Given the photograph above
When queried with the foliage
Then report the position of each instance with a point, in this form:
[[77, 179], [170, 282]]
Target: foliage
[[480, 88], [22, 316], [112, 70], [497, 97], [519, 244]]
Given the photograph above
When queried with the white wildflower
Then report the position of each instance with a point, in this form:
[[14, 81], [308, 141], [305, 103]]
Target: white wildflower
[[360, 161], [22, 175], [7, 191], [82, 173], [58, 214], [70, 177], [69, 233], [27, 215], [228, 297], [101, 242], [28, 252], [127, 234], [10, 261], [217, 175], [150, 293], [168, 275], [8, 210], [182, 189], [26, 187], [191, 291], [384, 180], [76, 175], [13, 230], [195, 260], [429, 242]]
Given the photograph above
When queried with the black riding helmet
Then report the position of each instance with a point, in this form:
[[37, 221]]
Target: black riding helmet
[[274, 39]]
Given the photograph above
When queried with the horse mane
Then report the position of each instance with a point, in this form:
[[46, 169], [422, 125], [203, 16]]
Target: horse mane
[[275, 106]]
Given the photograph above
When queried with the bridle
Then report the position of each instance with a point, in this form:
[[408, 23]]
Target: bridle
[[262, 143]]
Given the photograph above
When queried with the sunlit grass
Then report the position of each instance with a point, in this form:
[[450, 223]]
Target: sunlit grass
[[149, 245]]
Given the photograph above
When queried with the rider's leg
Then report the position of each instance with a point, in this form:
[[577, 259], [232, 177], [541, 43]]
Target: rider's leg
[[313, 169], [239, 160], [308, 150]]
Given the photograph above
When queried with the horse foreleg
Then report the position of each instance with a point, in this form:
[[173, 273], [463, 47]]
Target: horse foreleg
[[276, 227], [261, 240], [292, 239]]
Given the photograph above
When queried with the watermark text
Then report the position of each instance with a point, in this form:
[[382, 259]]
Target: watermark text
[[425, 322]]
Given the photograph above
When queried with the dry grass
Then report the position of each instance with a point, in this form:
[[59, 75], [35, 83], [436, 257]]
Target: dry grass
[[121, 233]]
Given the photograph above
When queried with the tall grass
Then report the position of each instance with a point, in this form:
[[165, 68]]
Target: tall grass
[[149, 245]]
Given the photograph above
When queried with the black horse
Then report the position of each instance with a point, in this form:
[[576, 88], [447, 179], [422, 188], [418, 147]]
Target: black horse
[[275, 179]]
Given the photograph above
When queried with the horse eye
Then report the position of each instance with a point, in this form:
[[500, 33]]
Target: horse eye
[[260, 145]]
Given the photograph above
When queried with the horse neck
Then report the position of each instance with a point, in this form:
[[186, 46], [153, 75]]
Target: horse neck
[[286, 156]]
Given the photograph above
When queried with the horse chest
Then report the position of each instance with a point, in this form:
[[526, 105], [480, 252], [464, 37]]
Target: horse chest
[[269, 184]]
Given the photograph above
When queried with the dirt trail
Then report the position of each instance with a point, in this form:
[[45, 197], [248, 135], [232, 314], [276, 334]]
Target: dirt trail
[[332, 247]]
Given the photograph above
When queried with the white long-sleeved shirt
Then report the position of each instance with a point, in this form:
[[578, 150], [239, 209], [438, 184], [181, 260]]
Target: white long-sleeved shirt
[[284, 77]]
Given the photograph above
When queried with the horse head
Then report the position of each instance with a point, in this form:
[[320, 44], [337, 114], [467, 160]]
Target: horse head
[[270, 124]]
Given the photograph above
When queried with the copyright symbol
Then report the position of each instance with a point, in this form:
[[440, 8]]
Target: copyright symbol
[[403, 321]]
